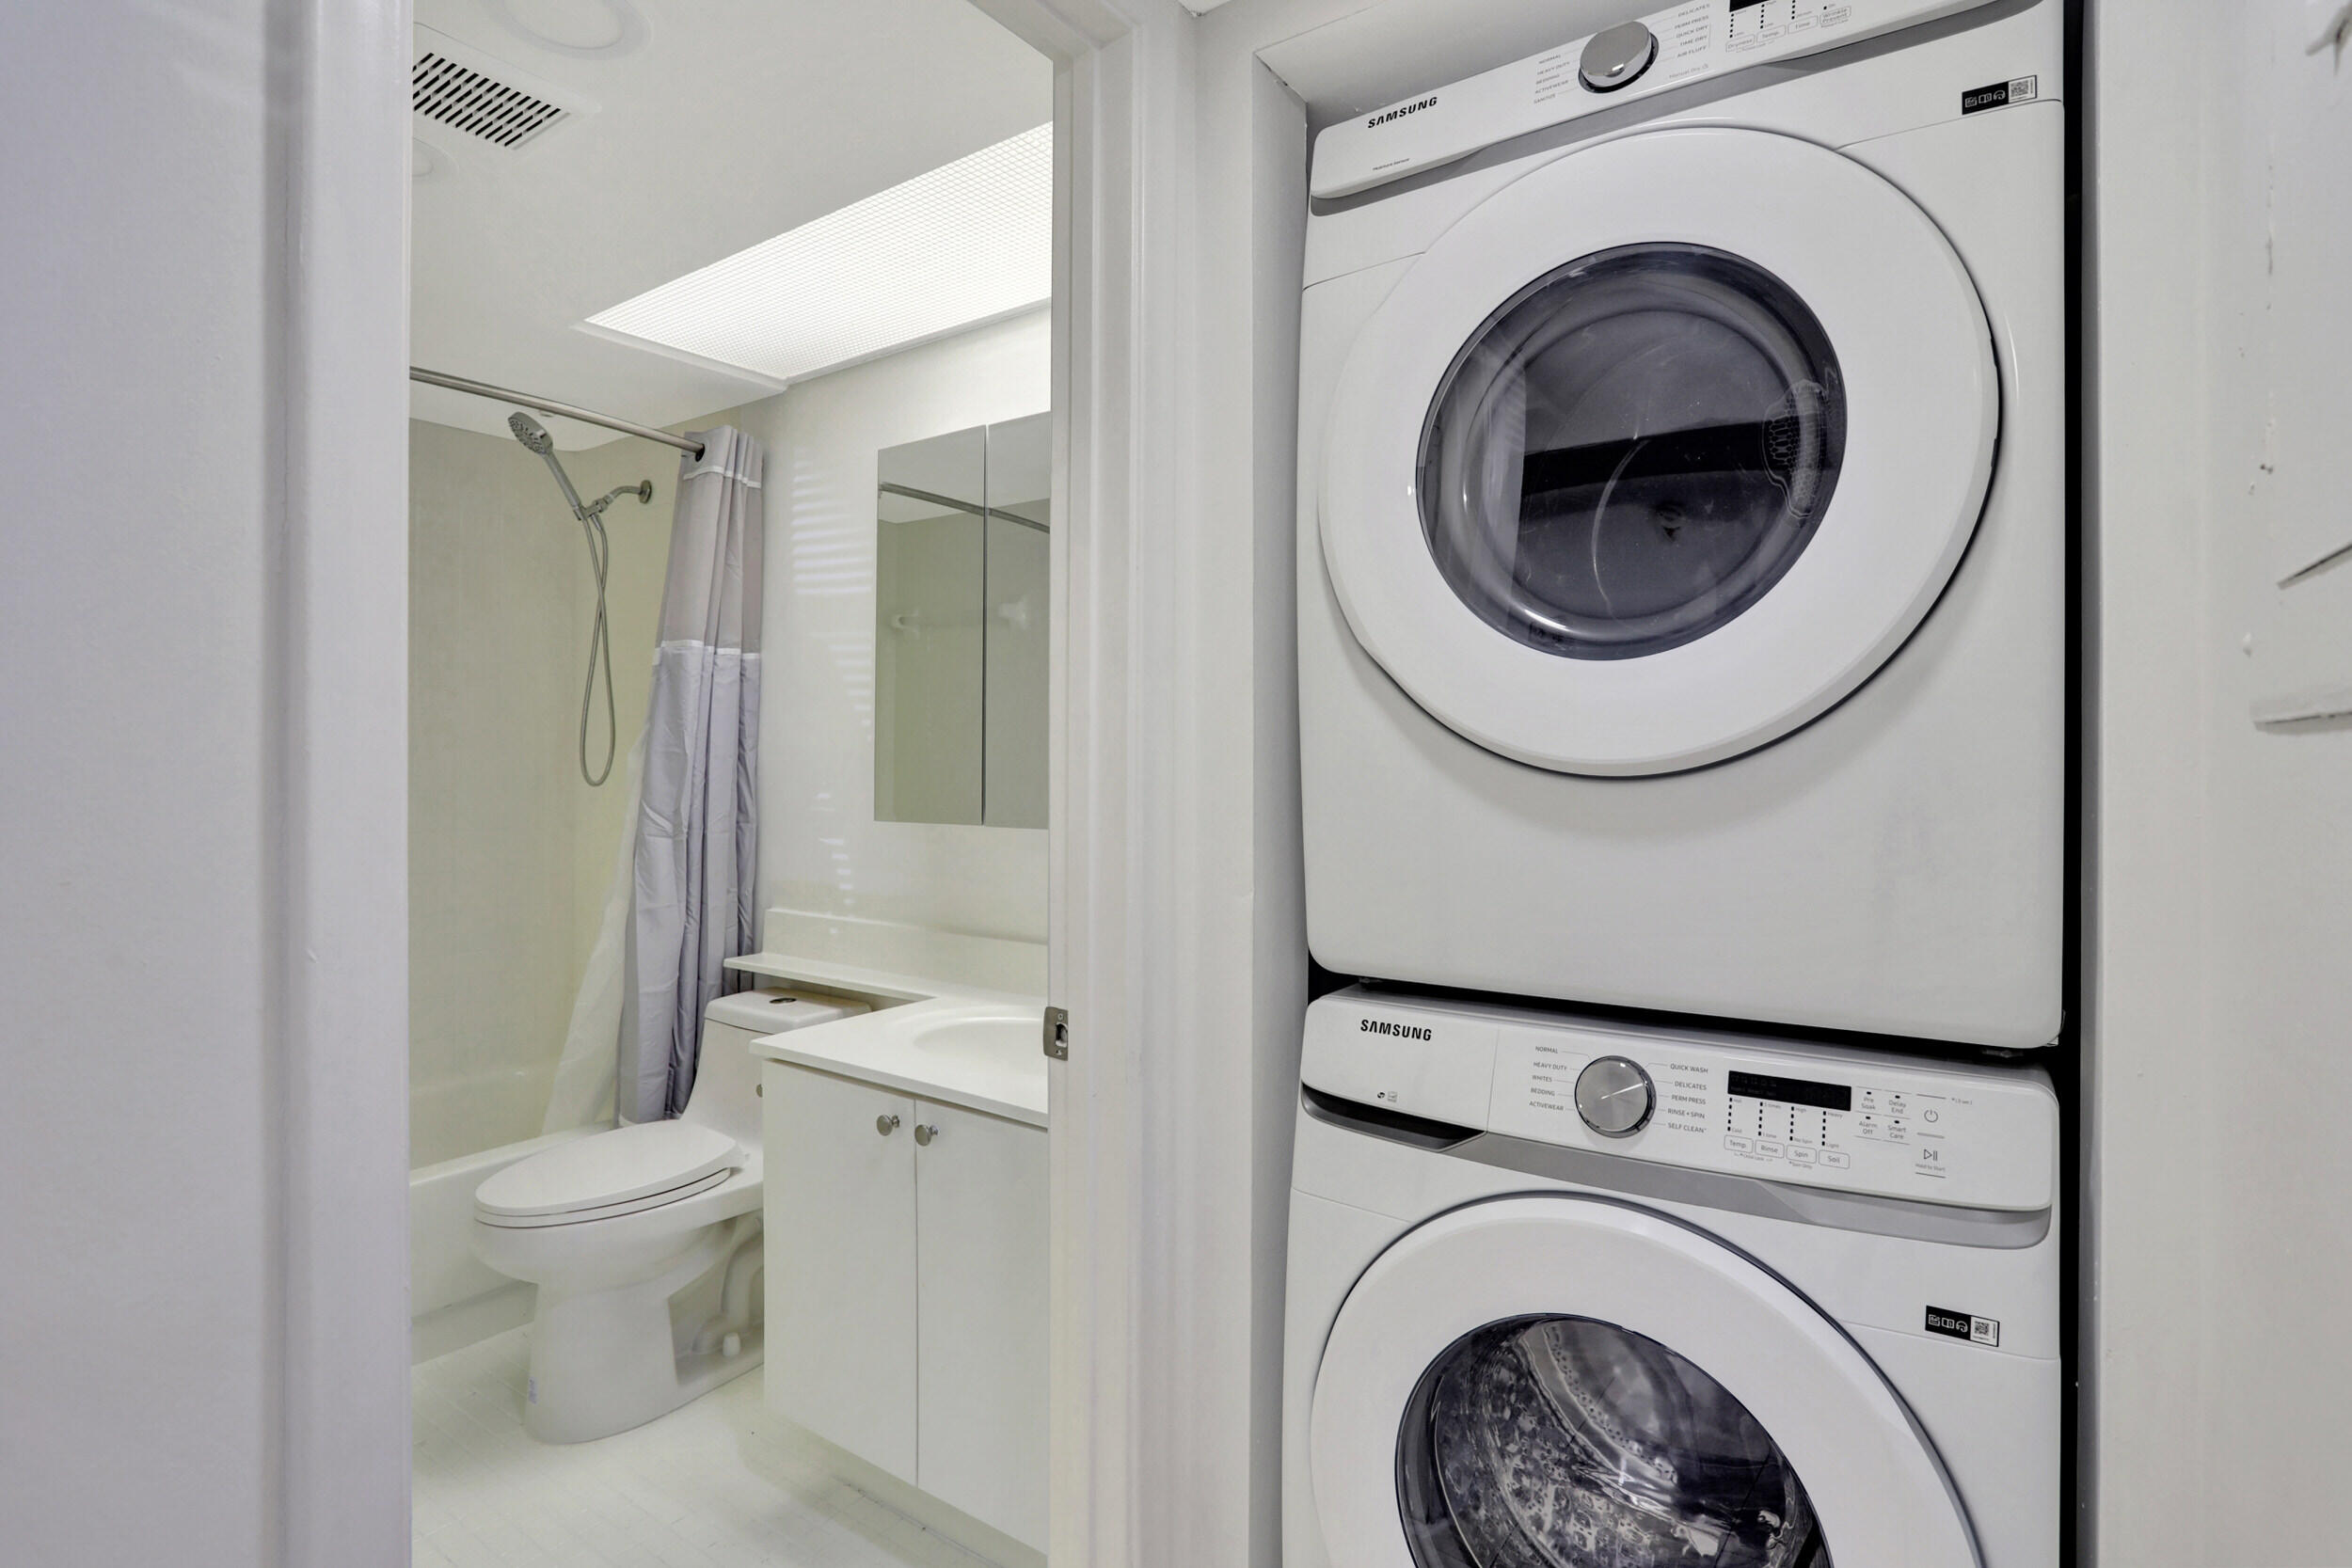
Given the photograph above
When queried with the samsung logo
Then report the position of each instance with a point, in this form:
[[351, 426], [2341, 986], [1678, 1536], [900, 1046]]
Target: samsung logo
[[1382, 1026], [1399, 113]]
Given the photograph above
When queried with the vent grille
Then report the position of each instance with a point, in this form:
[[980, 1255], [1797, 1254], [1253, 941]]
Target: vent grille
[[466, 100]]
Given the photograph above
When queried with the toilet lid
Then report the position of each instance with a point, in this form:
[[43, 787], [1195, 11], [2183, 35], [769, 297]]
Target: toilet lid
[[596, 1172]]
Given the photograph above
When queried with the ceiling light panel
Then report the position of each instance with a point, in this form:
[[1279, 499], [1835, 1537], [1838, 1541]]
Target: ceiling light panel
[[969, 242]]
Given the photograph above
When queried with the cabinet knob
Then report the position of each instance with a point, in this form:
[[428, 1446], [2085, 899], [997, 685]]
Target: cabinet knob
[[886, 1124], [925, 1133]]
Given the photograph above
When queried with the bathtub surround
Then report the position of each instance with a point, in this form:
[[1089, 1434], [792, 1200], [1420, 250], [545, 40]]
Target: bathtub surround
[[493, 681], [698, 833], [511, 854], [588, 1071]]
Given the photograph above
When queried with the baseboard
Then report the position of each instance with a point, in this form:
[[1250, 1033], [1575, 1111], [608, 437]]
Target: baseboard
[[469, 1321], [803, 1447]]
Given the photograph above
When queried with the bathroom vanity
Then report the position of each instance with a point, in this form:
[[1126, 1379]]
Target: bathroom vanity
[[906, 1247]]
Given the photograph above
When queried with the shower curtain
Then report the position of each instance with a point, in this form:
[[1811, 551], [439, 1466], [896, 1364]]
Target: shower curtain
[[681, 902], [697, 818]]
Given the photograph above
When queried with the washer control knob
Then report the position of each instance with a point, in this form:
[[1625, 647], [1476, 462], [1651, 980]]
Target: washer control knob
[[1614, 1096], [1616, 56]]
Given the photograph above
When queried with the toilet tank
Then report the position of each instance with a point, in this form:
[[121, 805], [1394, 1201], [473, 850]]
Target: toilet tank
[[726, 1075]]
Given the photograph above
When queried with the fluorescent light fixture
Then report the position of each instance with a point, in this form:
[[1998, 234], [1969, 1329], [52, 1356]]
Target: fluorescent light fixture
[[970, 242]]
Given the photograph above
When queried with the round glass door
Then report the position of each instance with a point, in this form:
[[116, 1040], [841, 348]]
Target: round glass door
[[1562, 1442], [1558, 1380], [1633, 451], [1660, 450]]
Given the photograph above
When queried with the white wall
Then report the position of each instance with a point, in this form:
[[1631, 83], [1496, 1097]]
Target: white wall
[[203, 853], [819, 847], [134, 618], [2222, 230]]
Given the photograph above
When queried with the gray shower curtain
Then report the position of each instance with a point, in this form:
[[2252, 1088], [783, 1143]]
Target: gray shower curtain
[[697, 821]]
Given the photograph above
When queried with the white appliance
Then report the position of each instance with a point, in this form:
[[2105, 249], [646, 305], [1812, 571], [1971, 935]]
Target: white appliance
[[1571, 1292], [644, 1240], [1683, 561]]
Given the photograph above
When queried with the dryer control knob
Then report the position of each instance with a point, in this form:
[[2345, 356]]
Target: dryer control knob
[[1614, 1096], [1615, 56]]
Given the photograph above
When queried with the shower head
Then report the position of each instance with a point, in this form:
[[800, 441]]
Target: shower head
[[534, 437], [532, 434]]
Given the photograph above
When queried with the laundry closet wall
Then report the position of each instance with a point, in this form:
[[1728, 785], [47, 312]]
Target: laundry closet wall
[[2220, 381], [202, 831], [1220, 1066]]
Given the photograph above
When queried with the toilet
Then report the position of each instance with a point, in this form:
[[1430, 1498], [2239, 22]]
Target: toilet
[[644, 1240]]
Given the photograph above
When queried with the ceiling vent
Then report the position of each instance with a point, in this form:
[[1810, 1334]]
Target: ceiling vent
[[461, 88], [479, 105]]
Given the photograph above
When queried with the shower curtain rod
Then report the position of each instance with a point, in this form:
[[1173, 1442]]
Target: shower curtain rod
[[548, 406]]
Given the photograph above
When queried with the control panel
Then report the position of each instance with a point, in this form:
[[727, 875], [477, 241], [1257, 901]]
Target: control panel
[[1982, 1137], [1679, 43]]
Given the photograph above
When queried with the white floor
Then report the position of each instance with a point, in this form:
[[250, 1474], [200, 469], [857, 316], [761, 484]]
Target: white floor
[[718, 1484]]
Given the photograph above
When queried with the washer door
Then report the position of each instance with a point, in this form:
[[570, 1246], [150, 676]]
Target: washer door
[[1562, 1381], [1661, 451]]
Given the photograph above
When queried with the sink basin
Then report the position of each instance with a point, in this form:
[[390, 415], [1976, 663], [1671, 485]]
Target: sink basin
[[996, 1035], [983, 1053]]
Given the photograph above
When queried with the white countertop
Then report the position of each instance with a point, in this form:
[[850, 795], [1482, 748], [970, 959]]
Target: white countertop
[[896, 1047]]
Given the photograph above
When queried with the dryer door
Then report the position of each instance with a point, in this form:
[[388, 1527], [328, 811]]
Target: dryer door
[[1661, 451], [1557, 1380]]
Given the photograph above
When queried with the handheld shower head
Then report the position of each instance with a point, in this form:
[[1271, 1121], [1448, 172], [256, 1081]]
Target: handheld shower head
[[534, 437], [532, 434]]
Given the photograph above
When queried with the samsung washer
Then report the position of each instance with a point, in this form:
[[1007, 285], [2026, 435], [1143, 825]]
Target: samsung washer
[[1683, 586], [1565, 1291]]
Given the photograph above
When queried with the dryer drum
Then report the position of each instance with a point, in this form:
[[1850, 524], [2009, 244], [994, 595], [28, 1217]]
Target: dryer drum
[[1631, 451], [1562, 1442]]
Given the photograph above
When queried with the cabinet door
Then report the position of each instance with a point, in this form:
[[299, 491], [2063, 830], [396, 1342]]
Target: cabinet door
[[841, 1340], [980, 1198]]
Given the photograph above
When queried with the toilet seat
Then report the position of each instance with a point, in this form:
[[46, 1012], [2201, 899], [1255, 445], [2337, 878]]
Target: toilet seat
[[620, 1172]]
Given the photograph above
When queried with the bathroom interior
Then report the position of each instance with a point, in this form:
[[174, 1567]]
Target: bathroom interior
[[799, 542]]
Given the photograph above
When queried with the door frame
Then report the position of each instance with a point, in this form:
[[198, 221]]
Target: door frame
[[339, 159]]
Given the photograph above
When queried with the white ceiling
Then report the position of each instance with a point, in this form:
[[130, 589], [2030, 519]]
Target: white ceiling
[[724, 122]]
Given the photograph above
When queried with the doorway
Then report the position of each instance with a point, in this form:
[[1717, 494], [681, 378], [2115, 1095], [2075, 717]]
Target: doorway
[[619, 334]]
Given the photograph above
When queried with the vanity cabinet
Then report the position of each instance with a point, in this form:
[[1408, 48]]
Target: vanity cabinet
[[840, 1264], [906, 1286]]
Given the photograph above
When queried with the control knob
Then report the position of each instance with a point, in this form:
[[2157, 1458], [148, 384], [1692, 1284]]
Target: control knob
[[1616, 56], [1614, 1096]]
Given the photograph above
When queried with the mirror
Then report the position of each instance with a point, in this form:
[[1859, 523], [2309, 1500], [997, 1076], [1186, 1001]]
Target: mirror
[[960, 628]]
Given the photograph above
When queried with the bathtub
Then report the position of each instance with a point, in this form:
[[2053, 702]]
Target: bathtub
[[454, 1299]]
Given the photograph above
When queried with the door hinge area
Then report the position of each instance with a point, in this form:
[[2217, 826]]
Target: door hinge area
[[1058, 1033]]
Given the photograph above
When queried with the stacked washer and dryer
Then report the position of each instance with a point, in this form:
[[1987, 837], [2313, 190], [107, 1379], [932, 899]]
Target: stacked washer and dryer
[[1683, 643]]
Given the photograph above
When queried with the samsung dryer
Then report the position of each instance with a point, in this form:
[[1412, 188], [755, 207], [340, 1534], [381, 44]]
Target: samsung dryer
[[1570, 1292], [1682, 560]]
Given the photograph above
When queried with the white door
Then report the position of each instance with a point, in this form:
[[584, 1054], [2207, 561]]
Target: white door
[[982, 1196], [841, 1340], [1557, 1379], [1661, 451]]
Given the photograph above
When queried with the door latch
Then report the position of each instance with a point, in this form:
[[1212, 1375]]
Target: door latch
[[1058, 1033]]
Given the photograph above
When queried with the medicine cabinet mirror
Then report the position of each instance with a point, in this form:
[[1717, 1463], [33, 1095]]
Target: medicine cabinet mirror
[[960, 634]]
